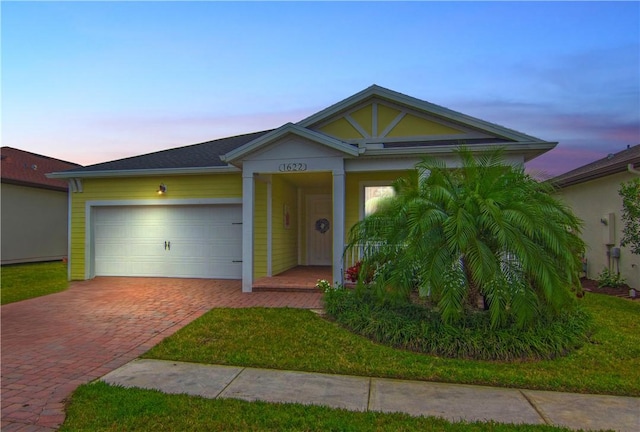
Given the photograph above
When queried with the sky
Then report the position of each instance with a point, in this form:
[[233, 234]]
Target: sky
[[89, 82]]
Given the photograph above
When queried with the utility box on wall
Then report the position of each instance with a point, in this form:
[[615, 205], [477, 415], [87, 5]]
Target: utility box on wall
[[609, 229]]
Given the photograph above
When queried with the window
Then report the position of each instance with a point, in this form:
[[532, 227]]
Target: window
[[373, 195]]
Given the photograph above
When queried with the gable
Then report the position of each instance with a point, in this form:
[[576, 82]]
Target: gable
[[379, 118], [292, 144], [290, 140], [381, 121]]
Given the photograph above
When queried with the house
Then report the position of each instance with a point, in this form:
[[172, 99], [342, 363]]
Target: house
[[592, 192], [255, 205], [34, 207]]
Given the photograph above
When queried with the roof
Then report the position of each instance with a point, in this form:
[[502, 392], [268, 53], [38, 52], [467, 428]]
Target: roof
[[28, 169], [219, 155], [613, 163], [203, 155]]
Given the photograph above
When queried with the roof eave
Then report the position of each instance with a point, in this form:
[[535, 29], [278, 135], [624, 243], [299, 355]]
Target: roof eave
[[143, 172], [529, 149], [34, 185], [592, 175]]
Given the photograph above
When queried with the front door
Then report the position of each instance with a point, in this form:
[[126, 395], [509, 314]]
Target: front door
[[319, 230]]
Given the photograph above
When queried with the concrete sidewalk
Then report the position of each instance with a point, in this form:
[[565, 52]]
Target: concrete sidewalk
[[454, 402]]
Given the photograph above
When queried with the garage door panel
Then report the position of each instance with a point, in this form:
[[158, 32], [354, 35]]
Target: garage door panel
[[201, 241]]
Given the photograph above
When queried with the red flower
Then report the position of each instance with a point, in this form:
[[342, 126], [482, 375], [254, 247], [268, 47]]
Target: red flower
[[354, 271]]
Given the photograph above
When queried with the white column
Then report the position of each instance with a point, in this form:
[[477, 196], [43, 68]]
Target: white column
[[248, 199], [269, 228], [338, 224]]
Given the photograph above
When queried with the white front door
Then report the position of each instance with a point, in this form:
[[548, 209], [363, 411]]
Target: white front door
[[319, 229], [203, 241]]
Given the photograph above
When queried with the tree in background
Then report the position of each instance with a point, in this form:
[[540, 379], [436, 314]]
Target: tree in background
[[630, 194], [481, 235]]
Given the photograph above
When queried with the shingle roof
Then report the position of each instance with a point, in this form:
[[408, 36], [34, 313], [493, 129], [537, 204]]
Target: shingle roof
[[612, 164], [202, 155], [28, 169]]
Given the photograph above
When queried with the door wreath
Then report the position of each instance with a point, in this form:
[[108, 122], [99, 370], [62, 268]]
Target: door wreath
[[322, 225]]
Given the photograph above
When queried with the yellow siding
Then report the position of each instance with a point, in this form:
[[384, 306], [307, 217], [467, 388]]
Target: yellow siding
[[178, 187], [342, 129], [352, 191], [415, 126], [260, 231], [385, 116], [285, 240], [77, 230], [364, 118]]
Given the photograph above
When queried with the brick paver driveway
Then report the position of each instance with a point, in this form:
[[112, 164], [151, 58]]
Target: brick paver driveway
[[52, 344]]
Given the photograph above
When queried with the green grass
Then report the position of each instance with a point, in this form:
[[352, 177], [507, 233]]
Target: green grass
[[300, 340], [100, 407], [24, 281]]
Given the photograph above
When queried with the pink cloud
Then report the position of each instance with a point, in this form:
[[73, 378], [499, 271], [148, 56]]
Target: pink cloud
[[561, 160], [106, 139]]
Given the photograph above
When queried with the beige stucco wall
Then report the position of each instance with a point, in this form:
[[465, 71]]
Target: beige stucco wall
[[34, 224], [591, 201]]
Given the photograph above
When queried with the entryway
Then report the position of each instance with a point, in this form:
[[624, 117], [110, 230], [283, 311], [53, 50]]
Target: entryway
[[297, 279]]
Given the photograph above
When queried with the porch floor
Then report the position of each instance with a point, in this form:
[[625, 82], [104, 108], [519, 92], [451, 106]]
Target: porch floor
[[300, 278]]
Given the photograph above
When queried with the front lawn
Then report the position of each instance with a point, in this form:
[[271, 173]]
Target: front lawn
[[100, 407], [299, 340], [25, 281]]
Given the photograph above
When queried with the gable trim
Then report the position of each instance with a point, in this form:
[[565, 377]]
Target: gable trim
[[393, 124], [357, 126]]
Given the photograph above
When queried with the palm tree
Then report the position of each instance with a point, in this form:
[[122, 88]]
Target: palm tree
[[484, 234]]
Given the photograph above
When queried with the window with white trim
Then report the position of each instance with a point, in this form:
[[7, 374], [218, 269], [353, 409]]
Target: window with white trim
[[373, 195]]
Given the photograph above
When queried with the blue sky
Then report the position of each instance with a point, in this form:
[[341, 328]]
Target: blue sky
[[90, 82]]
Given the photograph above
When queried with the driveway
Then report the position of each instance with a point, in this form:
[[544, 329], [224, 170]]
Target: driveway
[[52, 344]]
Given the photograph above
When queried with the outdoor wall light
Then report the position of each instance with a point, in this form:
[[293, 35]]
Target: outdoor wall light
[[162, 189]]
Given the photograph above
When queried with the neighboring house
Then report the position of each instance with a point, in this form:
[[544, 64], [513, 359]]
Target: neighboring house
[[592, 192], [34, 208], [258, 204]]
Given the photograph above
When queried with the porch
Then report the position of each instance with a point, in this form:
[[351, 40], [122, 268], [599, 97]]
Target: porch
[[297, 279]]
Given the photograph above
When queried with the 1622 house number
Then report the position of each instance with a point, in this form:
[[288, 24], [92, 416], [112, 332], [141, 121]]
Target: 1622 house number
[[294, 166]]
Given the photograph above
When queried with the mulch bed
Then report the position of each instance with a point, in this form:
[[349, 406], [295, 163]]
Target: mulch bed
[[591, 285]]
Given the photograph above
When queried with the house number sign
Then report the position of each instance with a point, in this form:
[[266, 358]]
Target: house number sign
[[292, 166]]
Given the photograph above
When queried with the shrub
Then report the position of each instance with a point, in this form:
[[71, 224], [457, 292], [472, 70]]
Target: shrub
[[630, 194], [482, 235], [607, 278], [417, 328]]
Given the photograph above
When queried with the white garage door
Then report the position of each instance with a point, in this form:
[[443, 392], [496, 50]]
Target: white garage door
[[200, 241]]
